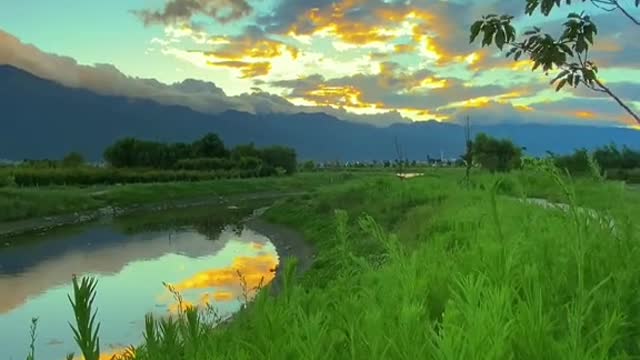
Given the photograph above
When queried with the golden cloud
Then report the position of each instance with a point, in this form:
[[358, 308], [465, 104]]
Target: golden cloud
[[383, 26], [254, 270], [250, 48], [248, 69], [404, 48], [223, 296], [588, 115], [485, 101], [389, 77], [347, 96], [351, 98]]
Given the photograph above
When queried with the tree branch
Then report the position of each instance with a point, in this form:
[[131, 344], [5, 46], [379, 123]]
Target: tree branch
[[597, 3], [625, 12], [617, 99]]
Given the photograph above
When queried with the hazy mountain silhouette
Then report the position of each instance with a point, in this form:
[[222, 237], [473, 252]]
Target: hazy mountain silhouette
[[43, 119]]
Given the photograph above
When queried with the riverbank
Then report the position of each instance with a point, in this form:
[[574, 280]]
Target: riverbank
[[32, 202], [40, 209], [44, 224]]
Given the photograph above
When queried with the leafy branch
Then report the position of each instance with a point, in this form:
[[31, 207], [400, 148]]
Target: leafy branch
[[569, 53], [607, 5]]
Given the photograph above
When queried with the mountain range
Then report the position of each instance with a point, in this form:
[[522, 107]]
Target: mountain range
[[43, 119]]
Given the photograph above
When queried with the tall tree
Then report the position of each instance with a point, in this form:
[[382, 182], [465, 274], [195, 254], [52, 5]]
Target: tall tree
[[568, 52], [496, 155], [210, 146], [73, 159]]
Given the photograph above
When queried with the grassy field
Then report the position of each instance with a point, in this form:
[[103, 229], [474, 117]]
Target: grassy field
[[430, 269], [21, 203]]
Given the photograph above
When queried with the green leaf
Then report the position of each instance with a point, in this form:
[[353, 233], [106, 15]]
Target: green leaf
[[500, 38], [588, 33], [535, 66], [475, 30], [488, 36], [581, 45], [561, 84], [561, 74], [566, 49], [518, 54]]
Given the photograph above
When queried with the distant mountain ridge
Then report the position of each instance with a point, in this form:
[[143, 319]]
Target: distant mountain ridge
[[43, 119]]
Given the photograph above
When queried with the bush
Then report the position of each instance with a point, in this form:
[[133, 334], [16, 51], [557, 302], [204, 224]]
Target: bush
[[6, 180], [205, 164], [576, 163]]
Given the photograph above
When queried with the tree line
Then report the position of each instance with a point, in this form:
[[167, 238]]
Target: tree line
[[206, 153], [502, 155]]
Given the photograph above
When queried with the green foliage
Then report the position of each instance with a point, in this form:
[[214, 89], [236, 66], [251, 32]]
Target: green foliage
[[206, 154], [86, 329], [26, 177], [73, 159], [247, 150], [568, 52], [576, 163], [28, 202], [205, 164], [434, 271], [250, 163], [309, 165], [496, 155], [32, 335], [6, 179], [280, 156], [606, 160], [210, 146]]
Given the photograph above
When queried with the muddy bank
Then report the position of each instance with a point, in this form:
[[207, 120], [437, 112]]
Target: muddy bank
[[43, 224], [289, 243]]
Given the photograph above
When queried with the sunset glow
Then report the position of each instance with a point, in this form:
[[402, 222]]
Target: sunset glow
[[364, 57]]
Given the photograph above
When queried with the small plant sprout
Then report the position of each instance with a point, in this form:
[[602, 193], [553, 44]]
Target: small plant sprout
[[86, 330]]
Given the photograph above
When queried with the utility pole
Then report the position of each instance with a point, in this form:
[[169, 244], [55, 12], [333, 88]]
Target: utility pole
[[469, 155], [400, 157]]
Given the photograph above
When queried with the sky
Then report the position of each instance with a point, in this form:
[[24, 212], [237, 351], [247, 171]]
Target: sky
[[377, 61]]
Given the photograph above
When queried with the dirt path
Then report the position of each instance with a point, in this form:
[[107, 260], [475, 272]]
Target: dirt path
[[590, 213], [42, 224]]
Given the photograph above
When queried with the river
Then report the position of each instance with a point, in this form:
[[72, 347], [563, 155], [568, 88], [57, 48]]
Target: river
[[199, 251]]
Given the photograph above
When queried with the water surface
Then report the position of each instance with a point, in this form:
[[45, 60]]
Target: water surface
[[200, 252]]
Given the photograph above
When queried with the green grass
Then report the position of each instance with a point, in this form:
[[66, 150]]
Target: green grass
[[428, 269], [22, 203]]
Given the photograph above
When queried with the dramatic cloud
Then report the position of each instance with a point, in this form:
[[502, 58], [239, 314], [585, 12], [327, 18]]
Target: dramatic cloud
[[199, 95], [378, 61], [182, 11]]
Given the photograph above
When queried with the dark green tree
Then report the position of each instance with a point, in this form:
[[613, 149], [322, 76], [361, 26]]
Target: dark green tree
[[309, 165], [576, 163], [73, 159], [280, 156], [122, 153], [496, 155], [246, 150], [567, 53], [209, 146]]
